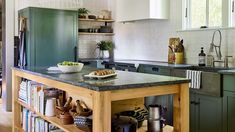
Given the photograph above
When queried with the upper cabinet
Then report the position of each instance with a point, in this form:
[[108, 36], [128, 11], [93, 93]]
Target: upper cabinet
[[132, 10]]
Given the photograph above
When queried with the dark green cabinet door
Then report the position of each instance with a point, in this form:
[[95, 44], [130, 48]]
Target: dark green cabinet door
[[208, 113], [229, 111], [52, 36], [192, 113]]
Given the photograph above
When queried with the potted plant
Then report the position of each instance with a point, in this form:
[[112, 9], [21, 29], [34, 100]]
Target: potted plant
[[104, 48], [82, 12]]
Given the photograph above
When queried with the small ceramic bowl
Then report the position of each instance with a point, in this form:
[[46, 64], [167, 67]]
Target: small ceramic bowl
[[83, 123], [70, 69]]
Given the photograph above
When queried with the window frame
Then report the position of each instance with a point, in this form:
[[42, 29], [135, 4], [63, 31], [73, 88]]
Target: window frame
[[228, 18]]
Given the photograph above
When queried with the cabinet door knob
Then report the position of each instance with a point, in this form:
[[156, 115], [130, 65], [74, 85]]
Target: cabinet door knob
[[192, 102], [155, 69], [197, 103]]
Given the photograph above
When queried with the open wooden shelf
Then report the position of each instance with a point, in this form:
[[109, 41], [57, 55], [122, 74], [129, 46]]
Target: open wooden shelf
[[95, 20], [83, 33], [53, 120], [144, 128]]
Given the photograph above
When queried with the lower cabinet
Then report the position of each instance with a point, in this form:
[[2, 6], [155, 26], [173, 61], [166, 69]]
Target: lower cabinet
[[205, 113], [166, 100], [229, 111]]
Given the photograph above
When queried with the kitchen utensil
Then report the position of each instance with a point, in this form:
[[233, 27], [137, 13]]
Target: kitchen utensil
[[124, 124], [69, 100], [139, 114], [83, 30], [70, 69], [91, 16], [106, 29], [179, 57], [50, 107], [82, 109], [156, 118]]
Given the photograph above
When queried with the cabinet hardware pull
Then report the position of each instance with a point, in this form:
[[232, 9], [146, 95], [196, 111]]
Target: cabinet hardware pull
[[75, 53], [233, 6], [192, 102], [155, 69]]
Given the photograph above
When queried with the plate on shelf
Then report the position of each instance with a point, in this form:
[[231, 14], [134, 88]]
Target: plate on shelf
[[92, 75]]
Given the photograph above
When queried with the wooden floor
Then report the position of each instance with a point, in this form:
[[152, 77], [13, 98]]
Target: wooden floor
[[5, 120]]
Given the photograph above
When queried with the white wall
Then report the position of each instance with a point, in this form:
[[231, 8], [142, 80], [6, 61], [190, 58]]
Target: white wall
[[87, 43], [148, 39]]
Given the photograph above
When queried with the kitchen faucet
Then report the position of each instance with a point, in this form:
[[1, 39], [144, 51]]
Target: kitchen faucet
[[218, 50], [217, 47]]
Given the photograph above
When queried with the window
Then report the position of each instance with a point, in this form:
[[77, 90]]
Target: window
[[232, 14], [203, 13]]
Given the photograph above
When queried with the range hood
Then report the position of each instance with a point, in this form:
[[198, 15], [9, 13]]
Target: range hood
[[133, 10]]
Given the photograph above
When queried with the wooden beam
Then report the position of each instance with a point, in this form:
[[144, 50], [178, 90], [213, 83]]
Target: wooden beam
[[16, 108], [181, 109], [101, 112], [79, 91], [184, 107], [143, 92]]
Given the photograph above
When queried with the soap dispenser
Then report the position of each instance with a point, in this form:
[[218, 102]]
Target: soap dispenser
[[202, 58]]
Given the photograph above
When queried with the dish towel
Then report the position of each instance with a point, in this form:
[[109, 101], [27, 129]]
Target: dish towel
[[195, 77]]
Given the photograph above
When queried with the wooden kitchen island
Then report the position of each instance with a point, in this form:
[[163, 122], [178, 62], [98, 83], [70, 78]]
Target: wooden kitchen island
[[101, 95]]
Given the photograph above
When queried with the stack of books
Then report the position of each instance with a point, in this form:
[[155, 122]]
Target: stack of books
[[33, 123], [35, 95]]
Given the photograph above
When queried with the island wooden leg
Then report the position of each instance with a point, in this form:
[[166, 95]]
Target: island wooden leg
[[16, 108], [101, 112], [181, 109]]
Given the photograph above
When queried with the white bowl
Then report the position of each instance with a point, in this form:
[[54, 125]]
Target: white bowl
[[70, 69]]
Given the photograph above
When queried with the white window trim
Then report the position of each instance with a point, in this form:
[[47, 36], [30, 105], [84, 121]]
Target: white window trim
[[231, 13], [227, 16]]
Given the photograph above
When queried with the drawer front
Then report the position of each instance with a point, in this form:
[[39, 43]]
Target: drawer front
[[154, 70], [229, 82], [179, 73], [210, 84]]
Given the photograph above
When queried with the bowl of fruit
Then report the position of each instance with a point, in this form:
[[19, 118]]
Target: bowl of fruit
[[70, 67]]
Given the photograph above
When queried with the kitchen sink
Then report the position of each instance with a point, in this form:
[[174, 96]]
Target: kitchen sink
[[211, 79], [211, 69]]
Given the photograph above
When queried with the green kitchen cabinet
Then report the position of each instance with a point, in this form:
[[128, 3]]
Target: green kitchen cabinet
[[206, 113], [51, 35], [229, 103], [192, 112], [229, 111], [154, 70]]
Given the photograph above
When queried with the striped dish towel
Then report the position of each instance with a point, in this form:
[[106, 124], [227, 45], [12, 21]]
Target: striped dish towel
[[195, 77]]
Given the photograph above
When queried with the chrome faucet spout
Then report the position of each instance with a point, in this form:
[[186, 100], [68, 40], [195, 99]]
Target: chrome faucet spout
[[216, 47]]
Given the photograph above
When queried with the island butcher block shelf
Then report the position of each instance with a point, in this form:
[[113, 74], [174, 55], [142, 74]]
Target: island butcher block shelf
[[105, 99]]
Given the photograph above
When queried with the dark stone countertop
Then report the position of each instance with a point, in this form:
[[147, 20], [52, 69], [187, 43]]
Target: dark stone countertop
[[154, 63], [123, 80], [227, 72], [137, 62]]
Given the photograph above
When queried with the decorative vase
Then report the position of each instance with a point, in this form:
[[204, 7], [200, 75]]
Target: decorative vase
[[104, 54]]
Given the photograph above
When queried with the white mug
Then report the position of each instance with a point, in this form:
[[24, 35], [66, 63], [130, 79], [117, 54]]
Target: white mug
[[50, 107]]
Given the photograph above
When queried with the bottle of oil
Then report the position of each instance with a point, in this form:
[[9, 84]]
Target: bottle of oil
[[202, 58]]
